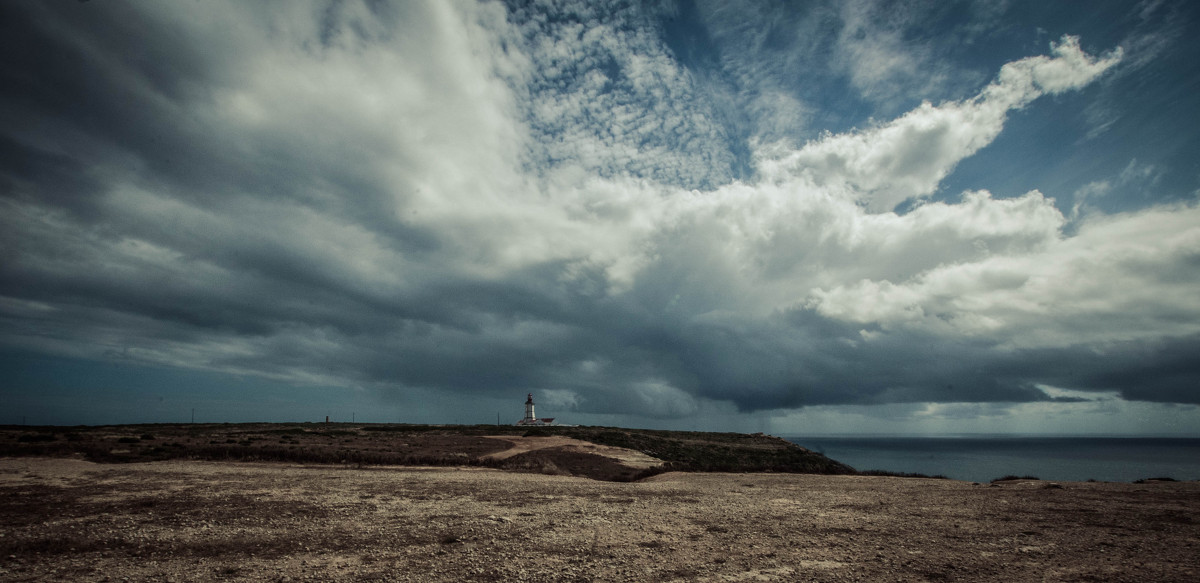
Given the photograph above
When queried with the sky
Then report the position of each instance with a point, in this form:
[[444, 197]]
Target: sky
[[922, 217]]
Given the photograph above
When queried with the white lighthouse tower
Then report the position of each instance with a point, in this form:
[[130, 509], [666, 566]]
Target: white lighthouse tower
[[530, 418]]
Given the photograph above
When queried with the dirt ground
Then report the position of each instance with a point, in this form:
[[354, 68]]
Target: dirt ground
[[70, 520]]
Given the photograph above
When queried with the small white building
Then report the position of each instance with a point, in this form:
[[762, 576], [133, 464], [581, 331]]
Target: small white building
[[530, 418]]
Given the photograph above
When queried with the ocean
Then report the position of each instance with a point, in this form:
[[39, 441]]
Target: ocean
[[984, 458]]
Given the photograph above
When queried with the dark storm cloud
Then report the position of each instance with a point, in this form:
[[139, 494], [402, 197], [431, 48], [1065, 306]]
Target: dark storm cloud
[[1162, 371], [474, 200], [125, 91], [110, 77]]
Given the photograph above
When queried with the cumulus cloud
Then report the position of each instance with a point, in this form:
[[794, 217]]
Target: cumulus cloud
[[1116, 280], [909, 157], [477, 199]]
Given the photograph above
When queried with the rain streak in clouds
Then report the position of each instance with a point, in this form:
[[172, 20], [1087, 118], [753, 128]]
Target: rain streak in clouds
[[587, 201]]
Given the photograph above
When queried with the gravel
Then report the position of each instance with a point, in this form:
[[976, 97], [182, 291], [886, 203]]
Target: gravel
[[63, 519]]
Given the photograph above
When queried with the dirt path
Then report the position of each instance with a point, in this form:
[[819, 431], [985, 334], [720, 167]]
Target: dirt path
[[206, 521]]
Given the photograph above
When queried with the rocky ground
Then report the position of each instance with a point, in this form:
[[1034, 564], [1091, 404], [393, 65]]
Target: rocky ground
[[72, 520]]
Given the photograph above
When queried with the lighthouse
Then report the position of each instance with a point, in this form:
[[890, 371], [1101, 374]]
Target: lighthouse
[[530, 418]]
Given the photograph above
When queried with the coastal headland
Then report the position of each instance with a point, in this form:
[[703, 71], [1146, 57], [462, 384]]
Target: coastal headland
[[181, 503]]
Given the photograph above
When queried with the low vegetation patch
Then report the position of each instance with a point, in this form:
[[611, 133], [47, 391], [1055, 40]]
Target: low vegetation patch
[[1010, 478], [420, 445], [36, 437], [714, 452], [901, 474]]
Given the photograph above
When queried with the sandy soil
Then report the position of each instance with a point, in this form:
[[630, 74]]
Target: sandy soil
[[204, 521]]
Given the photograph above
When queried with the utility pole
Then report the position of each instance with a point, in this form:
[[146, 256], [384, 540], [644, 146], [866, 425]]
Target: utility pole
[[193, 414]]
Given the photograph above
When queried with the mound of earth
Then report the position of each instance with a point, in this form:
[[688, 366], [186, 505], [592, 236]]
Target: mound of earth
[[568, 456]]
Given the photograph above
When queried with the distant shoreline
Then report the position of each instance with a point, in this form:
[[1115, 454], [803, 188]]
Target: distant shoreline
[[595, 452], [981, 458]]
